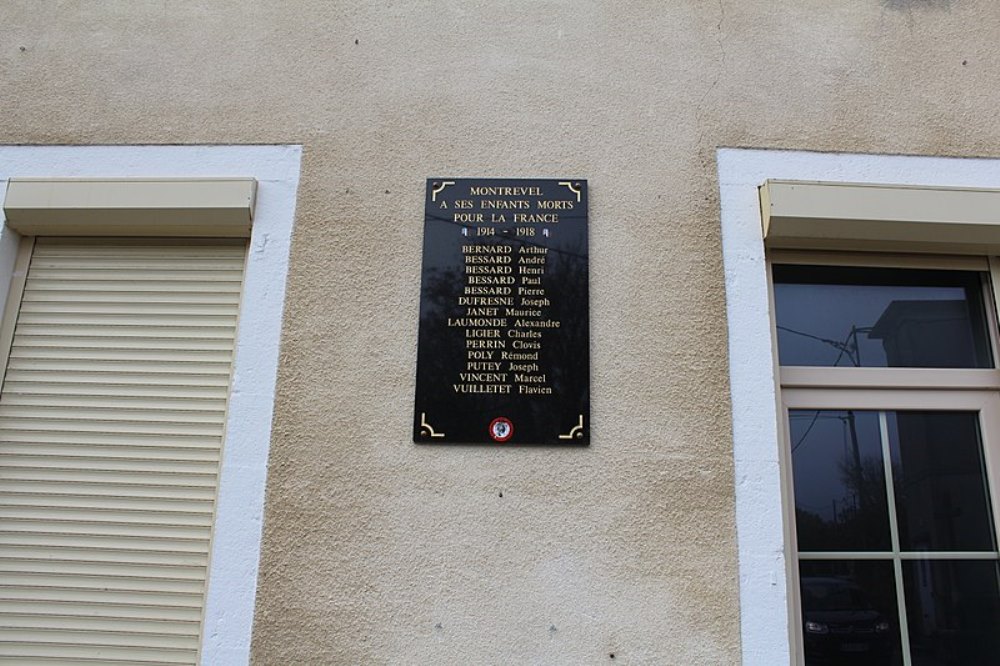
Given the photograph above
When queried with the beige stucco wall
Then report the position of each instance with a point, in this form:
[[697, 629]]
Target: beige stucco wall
[[380, 551]]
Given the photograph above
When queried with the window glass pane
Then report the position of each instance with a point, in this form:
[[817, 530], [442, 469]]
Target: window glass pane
[[840, 495], [939, 478], [953, 612], [849, 612], [880, 317]]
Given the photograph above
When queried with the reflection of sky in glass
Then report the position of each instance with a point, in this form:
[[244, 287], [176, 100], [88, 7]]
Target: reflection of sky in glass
[[839, 481], [805, 312], [939, 475], [821, 448]]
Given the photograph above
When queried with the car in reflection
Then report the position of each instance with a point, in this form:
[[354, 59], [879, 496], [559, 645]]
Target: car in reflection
[[840, 624]]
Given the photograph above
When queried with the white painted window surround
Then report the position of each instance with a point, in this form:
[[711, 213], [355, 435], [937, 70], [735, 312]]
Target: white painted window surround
[[760, 533], [235, 554]]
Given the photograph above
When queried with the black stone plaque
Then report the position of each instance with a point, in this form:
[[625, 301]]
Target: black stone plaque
[[504, 350]]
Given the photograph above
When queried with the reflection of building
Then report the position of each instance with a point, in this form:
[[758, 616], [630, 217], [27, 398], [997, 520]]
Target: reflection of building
[[662, 542], [911, 330], [942, 506]]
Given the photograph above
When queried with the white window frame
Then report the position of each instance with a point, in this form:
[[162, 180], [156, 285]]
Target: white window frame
[[236, 540], [763, 537]]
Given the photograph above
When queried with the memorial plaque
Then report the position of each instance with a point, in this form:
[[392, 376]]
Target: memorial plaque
[[504, 349]]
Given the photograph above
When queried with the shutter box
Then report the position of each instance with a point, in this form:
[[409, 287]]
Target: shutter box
[[191, 207]]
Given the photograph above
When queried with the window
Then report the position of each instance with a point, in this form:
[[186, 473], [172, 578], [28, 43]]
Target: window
[[121, 196], [888, 467], [111, 421], [843, 316], [890, 212]]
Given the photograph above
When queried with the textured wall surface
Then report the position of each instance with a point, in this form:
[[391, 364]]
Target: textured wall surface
[[380, 551]]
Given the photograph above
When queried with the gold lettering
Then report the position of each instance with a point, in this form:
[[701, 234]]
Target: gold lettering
[[518, 204], [505, 191], [541, 390], [481, 388], [535, 217], [529, 379], [555, 205], [486, 344], [487, 248]]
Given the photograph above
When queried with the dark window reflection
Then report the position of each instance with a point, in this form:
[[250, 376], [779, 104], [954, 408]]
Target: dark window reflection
[[880, 317], [939, 477], [953, 612], [840, 498], [849, 613]]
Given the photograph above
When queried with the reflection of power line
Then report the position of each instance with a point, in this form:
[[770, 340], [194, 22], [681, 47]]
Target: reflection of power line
[[842, 346], [812, 423], [849, 421], [832, 417], [849, 346], [524, 241]]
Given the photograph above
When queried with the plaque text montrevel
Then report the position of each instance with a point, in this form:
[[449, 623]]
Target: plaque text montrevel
[[504, 350]]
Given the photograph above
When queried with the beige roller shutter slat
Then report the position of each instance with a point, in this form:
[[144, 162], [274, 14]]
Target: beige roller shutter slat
[[89, 568], [111, 290], [148, 350], [73, 652], [64, 388], [111, 502], [101, 611], [102, 514], [83, 596], [132, 625], [118, 426], [112, 413], [162, 403], [109, 450], [109, 439], [96, 488], [100, 542]]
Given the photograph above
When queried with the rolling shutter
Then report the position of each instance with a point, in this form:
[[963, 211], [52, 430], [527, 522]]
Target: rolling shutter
[[112, 413]]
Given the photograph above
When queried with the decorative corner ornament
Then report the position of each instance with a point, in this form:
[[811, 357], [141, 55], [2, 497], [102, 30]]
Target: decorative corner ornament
[[573, 187], [576, 431], [426, 428], [439, 187]]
